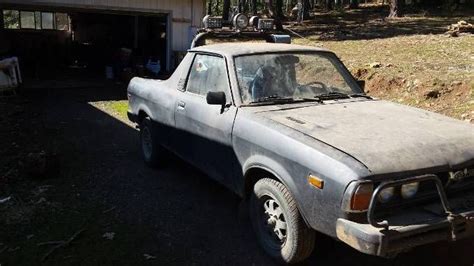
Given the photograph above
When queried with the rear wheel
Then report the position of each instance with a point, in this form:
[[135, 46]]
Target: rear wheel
[[278, 224], [153, 154]]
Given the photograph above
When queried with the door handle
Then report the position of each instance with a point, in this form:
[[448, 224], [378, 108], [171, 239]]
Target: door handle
[[181, 105]]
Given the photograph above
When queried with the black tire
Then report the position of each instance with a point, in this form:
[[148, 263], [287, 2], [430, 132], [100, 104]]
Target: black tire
[[153, 154], [298, 239]]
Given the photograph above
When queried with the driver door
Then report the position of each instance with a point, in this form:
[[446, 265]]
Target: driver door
[[206, 130]]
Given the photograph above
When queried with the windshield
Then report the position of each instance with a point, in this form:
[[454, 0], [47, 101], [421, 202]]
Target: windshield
[[292, 76]]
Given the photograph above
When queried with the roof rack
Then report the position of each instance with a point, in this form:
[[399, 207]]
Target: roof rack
[[202, 36], [241, 28]]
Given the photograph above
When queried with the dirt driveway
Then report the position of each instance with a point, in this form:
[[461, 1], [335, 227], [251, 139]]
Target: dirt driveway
[[125, 213]]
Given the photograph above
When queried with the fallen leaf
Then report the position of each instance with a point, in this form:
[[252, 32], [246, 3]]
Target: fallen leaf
[[109, 235], [5, 199], [149, 257]]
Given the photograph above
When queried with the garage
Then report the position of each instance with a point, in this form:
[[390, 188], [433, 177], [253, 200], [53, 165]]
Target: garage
[[113, 40]]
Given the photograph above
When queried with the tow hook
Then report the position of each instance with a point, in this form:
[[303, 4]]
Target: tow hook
[[458, 224]]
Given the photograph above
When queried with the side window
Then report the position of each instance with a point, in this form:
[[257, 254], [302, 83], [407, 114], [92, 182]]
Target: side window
[[208, 73]]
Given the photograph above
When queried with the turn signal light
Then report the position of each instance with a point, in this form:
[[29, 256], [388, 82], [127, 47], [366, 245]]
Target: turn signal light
[[361, 198], [316, 181]]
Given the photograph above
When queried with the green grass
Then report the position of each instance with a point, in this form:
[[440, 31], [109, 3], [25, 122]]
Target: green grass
[[118, 109]]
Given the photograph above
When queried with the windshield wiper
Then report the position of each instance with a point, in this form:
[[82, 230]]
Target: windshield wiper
[[332, 95], [360, 95], [315, 99], [274, 98], [340, 95]]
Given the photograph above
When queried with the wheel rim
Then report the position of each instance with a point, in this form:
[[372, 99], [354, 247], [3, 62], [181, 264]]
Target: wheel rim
[[272, 223], [147, 144]]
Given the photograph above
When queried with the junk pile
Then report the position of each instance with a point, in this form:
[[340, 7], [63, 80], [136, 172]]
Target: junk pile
[[10, 75], [454, 30], [125, 65]]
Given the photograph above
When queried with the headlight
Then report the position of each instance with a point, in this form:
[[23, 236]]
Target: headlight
[[265, 24], [240, 21], [409, 190], [254, 21], [212, 22], [386, 194]]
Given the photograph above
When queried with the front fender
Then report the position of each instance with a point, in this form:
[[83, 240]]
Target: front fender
[[279, 172], [142, 107]]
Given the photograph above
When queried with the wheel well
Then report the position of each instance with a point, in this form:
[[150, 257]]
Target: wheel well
[[253, 175], [141, 116]]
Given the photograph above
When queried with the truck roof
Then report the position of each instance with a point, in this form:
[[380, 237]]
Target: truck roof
[[244, 48]]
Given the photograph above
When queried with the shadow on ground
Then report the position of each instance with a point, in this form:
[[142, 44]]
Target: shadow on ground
[[170, 216]]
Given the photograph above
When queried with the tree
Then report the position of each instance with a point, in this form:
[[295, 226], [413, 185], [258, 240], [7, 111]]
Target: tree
[[209, 7], [217, 7], [279, 16], [306, 8], [329, 4], [254, 7], [226, 10], [279, 9], [395, 8], [354, 4], [243, 6]]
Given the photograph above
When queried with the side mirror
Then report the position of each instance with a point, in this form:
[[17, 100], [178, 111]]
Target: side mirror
[[216, 98], [361, 84]]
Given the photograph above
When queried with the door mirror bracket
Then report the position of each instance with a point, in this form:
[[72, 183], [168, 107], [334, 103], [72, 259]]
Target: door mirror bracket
[[361, 84]]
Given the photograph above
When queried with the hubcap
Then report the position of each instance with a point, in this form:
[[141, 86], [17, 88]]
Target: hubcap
[[274, 222], [147, 144]]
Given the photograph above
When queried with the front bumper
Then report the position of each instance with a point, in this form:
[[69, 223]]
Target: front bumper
[[412, 228], [397, 239]]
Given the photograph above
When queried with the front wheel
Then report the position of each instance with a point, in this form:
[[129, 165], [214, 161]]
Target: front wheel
[[278, 224]]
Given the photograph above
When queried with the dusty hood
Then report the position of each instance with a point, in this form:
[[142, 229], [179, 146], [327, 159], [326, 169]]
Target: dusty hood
[[384, 136]]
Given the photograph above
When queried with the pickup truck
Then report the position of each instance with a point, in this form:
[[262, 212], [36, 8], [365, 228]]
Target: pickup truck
[[290, 130]]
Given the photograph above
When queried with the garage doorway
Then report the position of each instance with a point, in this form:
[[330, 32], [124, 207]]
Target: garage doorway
[[75, 44]]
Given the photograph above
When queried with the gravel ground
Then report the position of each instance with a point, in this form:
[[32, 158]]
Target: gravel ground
[[131, 214]]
